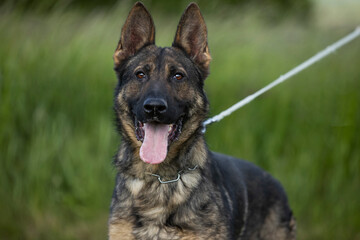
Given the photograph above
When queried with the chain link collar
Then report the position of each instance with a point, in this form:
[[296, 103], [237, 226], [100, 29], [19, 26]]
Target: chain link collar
[[172, 180]]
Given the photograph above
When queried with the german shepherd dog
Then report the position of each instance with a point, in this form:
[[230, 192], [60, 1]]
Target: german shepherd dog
[[168, 184]]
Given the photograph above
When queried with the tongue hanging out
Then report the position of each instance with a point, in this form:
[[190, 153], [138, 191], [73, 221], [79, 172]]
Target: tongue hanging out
[[155, 144]]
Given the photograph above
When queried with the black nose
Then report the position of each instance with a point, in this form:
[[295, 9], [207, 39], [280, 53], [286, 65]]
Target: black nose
[[154, 106]]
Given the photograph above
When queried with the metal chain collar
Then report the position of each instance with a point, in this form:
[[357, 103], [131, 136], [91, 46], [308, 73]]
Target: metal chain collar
[[173, 180]]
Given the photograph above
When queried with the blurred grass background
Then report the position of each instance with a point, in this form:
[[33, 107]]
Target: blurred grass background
[[57, 135]]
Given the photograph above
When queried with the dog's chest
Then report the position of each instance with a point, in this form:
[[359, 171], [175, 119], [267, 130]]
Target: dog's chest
[[156, 207], [154, 201], [185, 209]]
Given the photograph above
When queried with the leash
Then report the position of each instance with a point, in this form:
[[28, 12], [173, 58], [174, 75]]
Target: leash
[[330, 49]]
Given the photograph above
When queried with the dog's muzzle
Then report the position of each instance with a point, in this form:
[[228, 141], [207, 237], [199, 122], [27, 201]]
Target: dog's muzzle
[[154, 134]]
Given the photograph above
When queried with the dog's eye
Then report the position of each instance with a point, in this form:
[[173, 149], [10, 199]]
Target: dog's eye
[[140, 75], [178, 76]]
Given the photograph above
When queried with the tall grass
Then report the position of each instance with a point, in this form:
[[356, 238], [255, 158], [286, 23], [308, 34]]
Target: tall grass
[[57, 135]]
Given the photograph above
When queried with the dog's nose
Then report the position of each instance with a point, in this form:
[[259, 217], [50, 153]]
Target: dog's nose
[[155, 106]]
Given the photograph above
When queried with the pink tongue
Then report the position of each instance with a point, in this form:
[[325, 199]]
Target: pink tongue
[[154, 147]]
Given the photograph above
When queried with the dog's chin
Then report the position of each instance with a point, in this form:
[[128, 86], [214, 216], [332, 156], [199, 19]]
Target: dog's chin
[[156, 137]]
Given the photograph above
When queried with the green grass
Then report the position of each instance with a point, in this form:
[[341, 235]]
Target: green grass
[[57, 135]]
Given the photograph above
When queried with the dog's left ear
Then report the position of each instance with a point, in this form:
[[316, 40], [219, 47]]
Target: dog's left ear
[[137, 32], [191, 36]]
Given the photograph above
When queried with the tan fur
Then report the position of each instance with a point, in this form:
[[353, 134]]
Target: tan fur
[[166, 233], [191, 236], [273, 230], [121, 230], [135, 186]]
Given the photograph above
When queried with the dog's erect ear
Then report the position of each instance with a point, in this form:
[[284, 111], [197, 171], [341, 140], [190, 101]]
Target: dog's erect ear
[[191, 36], [137, 32]]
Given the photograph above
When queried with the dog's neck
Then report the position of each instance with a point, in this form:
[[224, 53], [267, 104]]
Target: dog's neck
[[187, 155]]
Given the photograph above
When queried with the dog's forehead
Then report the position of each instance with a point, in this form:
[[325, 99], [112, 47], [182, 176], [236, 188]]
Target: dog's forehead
[[174, 56], [144, 56], [159, 57]]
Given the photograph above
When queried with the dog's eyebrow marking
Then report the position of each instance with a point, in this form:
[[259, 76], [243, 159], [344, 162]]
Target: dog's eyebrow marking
[[174, 69], [146, 67], [138, 68], [182, 70]]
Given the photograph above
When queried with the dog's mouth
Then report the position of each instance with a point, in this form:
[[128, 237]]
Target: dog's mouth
[[155, 138]]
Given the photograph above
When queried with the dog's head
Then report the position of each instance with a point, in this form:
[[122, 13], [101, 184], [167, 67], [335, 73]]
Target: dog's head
[[159, 100]]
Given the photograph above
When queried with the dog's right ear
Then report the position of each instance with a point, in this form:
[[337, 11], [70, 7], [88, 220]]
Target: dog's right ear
[[137, 32]]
